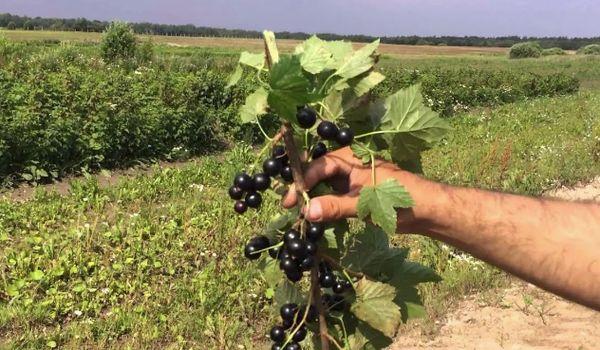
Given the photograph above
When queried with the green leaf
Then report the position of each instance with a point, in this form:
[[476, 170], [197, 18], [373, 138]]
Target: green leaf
[[36, 275], [380, 202], [314, 55], [340, 50], [365, 84], [253, 60], [369, 252], [236, 76], [280, 222], [416, 127], [289, 87], [333, 239], [374, 305], [288, 293], [333, 105], [362, 152], [410, 303], [256, 104], [271, 46], [361, 61], [271, 272], [412, 273]]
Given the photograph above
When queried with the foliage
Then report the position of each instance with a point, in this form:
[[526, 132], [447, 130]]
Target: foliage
[[118, 42], [334, 81], [452, 90], [528, 49], [592, 49], [554, 51]]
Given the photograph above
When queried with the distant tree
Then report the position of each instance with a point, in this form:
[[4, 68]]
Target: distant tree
[[11, 25], [28, 24], [118, 42], [528, 49]]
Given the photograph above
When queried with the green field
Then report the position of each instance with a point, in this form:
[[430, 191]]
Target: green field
[[147, 259]]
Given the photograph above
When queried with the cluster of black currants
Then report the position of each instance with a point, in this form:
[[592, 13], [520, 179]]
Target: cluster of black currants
[[297, 255], [292, 326], [246, 189], [307, 118]]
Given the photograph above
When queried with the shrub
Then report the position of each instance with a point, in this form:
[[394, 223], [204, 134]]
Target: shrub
[[118, 42], [553, 51], [11, 26], [145, 51], [593, 49], [526, 50]]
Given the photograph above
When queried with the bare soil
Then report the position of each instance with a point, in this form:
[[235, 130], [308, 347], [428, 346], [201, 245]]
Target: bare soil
[[519, 317]]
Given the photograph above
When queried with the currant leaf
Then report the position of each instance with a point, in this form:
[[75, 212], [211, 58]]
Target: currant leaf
[[253, 60], [256, 105], [374, 305], [289, 87], [380, 203], [314, 56], [236, 76]]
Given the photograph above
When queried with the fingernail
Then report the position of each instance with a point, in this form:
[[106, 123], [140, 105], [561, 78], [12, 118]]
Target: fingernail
[[315, 212]]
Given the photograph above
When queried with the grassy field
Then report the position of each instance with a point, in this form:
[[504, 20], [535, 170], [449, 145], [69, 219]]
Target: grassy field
[[153, 259]]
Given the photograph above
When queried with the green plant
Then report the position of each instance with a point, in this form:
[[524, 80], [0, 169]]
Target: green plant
[[353, 299], [592, 49], [525, 50], [118, 42], [553, 51]]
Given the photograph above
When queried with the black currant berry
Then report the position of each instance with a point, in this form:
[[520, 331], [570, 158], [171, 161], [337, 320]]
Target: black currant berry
[[288, 311], [297, 248], [284, 254], [294, 275], [262, 181], [277, 334], [274, 252], [244, 182], [307, 117], [307, 263], [313, 314], [327, 280], [345, 136], [276, 347], [250, 251], [293, 346], [261, 242], [311, 248], [290, 235], [315, 232], [253, 199], [319, 151], [324, 267], [340, 287], [288, 264], [280, 154], [286, 174], [300, 335], [338, 303], [240, 207], [235, 193], [272, 167], [327, 130]]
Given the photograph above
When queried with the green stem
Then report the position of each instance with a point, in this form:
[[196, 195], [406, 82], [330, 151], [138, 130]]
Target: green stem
[[373, 174], [263, 130]]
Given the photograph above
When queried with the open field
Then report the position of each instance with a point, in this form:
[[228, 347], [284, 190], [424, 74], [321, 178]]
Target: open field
[[238, 44], [151, 257]]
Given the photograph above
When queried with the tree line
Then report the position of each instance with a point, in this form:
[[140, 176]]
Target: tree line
[[85, 25]]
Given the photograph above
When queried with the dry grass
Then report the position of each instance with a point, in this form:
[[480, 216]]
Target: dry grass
[[250, 44]]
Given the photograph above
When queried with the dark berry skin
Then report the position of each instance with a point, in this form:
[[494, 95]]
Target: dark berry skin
[[272, 167], [253, 199], [338, 303], [300, 335], [284, 254], [315, 232], [293, 346], [262, 181], [240, 207], [287, 324], [313, 314], [340, 287], [274, 252], [327, 280], [326, 300], [288, 265], [244, 182], [277, 334], [319, 151], [278, 152], [307, 117], [327, 130], [345, 136], [236, 193], [261, 242], [294, 275], [288, 311], [286, 174], [307, 263], [276, 347], [297, 248], [250, 252], [311, 248], [290, 235]]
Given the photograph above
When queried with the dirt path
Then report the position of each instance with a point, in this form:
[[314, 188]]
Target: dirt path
[[521, 317]]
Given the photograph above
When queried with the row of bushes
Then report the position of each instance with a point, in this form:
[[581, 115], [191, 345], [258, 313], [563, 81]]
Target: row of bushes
[[534, 50], [450, 91], [62, 108]]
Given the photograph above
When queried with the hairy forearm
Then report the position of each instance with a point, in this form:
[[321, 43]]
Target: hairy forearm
[[553, 244]]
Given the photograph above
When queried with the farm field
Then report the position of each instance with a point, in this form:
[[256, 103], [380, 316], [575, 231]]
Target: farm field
[[151, 257]]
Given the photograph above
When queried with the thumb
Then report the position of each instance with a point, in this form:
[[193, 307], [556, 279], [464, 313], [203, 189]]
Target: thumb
[[331, 208]]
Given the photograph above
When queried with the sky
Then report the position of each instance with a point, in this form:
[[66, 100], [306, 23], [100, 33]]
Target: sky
[[372, 17]]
